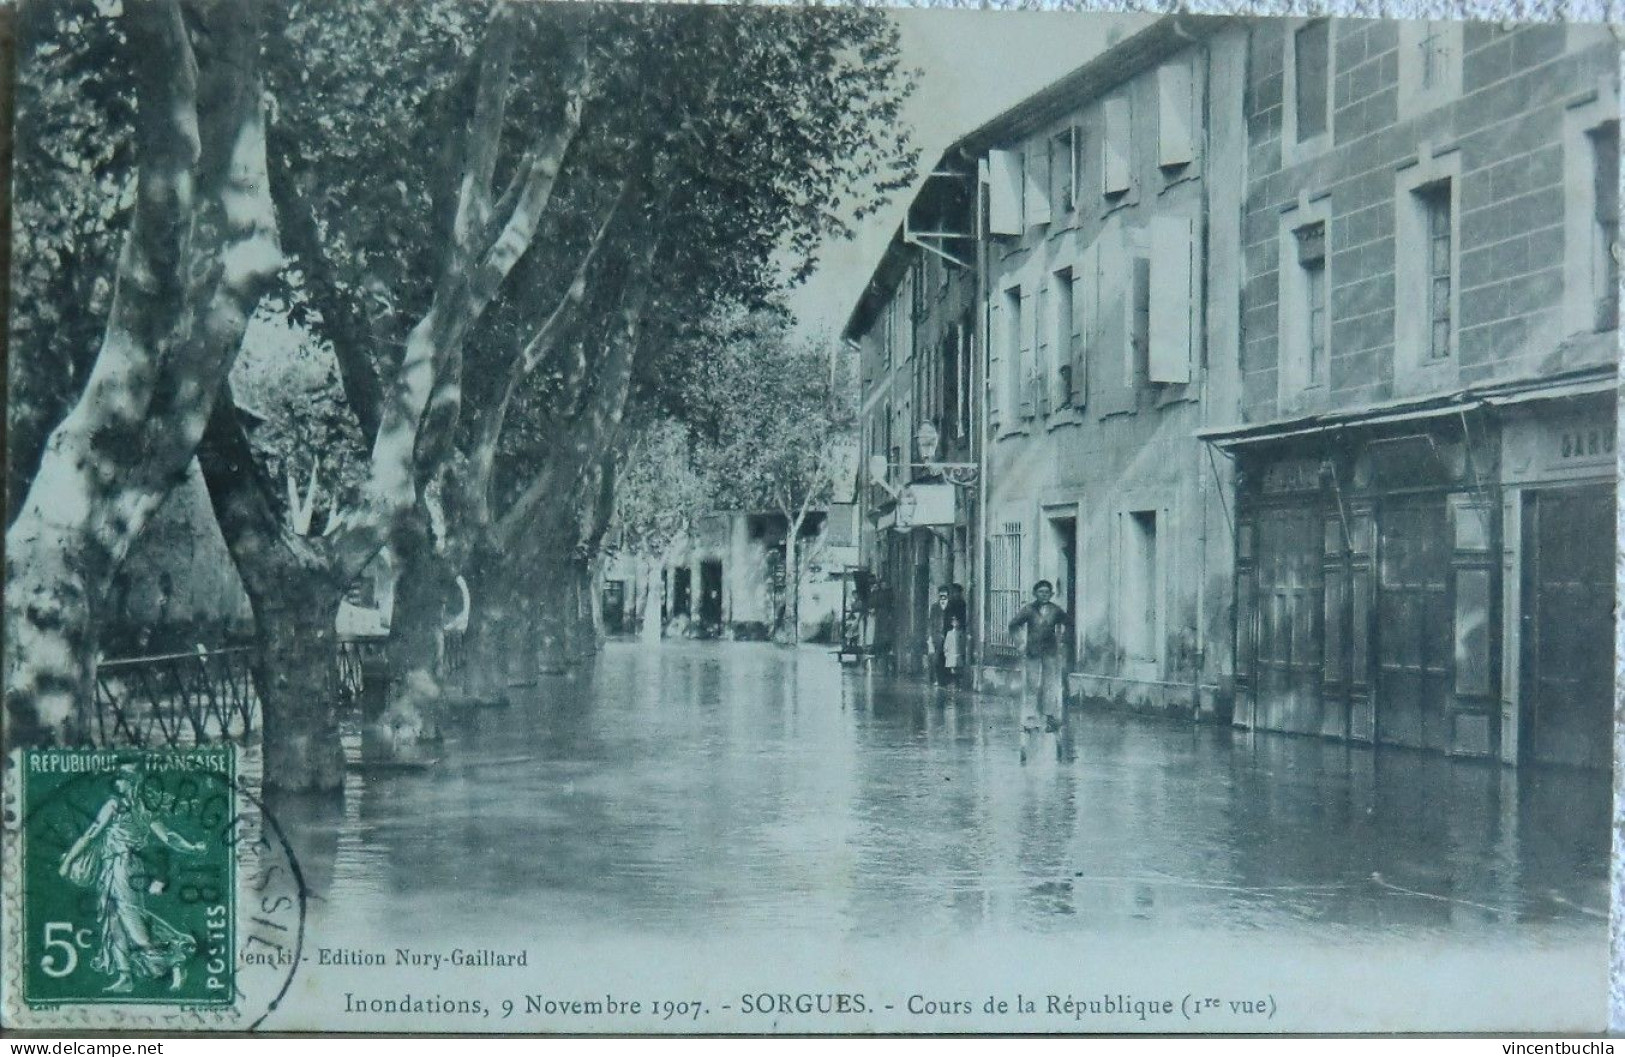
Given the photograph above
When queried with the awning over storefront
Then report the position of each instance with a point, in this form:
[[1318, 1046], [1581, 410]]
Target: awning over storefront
[[1575, 384]]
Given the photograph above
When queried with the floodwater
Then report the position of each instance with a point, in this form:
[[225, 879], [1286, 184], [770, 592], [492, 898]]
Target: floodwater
[[693, 790]]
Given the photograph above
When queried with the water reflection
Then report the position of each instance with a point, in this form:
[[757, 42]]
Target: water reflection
[[698, 788]]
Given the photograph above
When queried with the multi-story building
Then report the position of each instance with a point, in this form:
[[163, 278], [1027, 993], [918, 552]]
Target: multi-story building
[[1425, 446], [1111, 236], [914, 330]]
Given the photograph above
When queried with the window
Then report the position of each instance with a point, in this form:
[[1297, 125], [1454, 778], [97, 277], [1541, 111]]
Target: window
[[1427, 288], [1434, 200], [1311, 240], [1065, 330], [1137, 367], [917, 288], [888, 338], [1004, 594], [1429, 65], [1114, 161], [1062, 174], [1591, 211], [1311, 61], [1604, 251]]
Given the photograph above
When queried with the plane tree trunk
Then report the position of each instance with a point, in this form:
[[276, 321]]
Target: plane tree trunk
[[201, 250]]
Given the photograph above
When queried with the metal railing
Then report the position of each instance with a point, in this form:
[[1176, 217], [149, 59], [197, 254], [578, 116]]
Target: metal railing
[[175, 699]]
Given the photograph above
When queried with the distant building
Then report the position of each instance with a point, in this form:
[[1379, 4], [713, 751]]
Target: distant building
[[915, 332], [1426, 444], [727, 578]]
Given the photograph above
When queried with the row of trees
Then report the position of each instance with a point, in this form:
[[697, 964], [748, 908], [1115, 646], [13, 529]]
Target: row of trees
[[500, 231]]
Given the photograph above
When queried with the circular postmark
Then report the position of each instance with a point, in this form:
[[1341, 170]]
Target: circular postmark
[[146, 888]]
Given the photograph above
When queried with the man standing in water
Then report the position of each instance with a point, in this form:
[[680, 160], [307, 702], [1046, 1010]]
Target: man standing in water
[[1041, 662]]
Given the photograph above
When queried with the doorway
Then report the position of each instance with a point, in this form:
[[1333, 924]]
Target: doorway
[[1415, 624], [1568, 626], [1061, 562], [711, 592], [681, 592]]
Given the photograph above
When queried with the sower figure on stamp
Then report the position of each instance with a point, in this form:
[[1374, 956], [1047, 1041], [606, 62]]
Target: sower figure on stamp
[[134, 941], [1045, 622]]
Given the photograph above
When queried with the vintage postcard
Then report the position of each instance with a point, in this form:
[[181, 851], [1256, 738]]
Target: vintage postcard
[[646, 518]]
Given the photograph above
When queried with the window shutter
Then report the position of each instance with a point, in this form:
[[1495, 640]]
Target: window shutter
[[1037, 185], [1085, 281], [1004, 192], [1024, 361], [1115, 153], [1115, 293], [1175, 145], [995, 357], [1170, 336], [1043, 342]]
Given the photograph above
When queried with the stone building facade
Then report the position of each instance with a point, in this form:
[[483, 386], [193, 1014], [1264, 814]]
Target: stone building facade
[[1425, 444]]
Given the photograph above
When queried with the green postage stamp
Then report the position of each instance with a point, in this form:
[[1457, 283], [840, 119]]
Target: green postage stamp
[[123, 877]]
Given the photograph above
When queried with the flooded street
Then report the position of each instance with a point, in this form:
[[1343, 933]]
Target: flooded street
[[692, 789]]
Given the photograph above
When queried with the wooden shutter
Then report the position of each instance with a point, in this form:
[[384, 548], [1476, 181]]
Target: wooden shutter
[[1004, 192], [1175, 144], [1023, 364], [995, 356], [1169, 357], [1085, 281], [1037, 185], [1116, 292], [1043, 346], [1115, 147]]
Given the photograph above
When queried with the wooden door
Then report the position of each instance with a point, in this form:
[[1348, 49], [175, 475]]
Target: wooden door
[[1288, 599], [1569, 625], [1414, 624]]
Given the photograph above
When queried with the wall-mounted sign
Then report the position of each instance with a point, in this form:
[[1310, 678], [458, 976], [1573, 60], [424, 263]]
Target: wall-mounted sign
[[925, 505]]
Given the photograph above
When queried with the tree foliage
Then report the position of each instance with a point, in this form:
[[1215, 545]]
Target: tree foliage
[[781, 414]]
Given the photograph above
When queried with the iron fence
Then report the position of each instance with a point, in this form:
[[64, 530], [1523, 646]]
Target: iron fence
[[175, 699]]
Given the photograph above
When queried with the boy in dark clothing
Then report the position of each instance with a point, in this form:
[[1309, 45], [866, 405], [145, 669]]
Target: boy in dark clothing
[[1041, 659]]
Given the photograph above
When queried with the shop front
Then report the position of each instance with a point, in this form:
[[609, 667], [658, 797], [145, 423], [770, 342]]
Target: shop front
[[1438, 578], [1367, 584]]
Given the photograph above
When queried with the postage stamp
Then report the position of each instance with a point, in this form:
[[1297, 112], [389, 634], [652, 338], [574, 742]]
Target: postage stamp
[[144, 882], [128, 877]]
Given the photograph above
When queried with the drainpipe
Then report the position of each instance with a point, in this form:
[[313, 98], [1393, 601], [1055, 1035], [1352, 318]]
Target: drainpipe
[[979, 452]]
